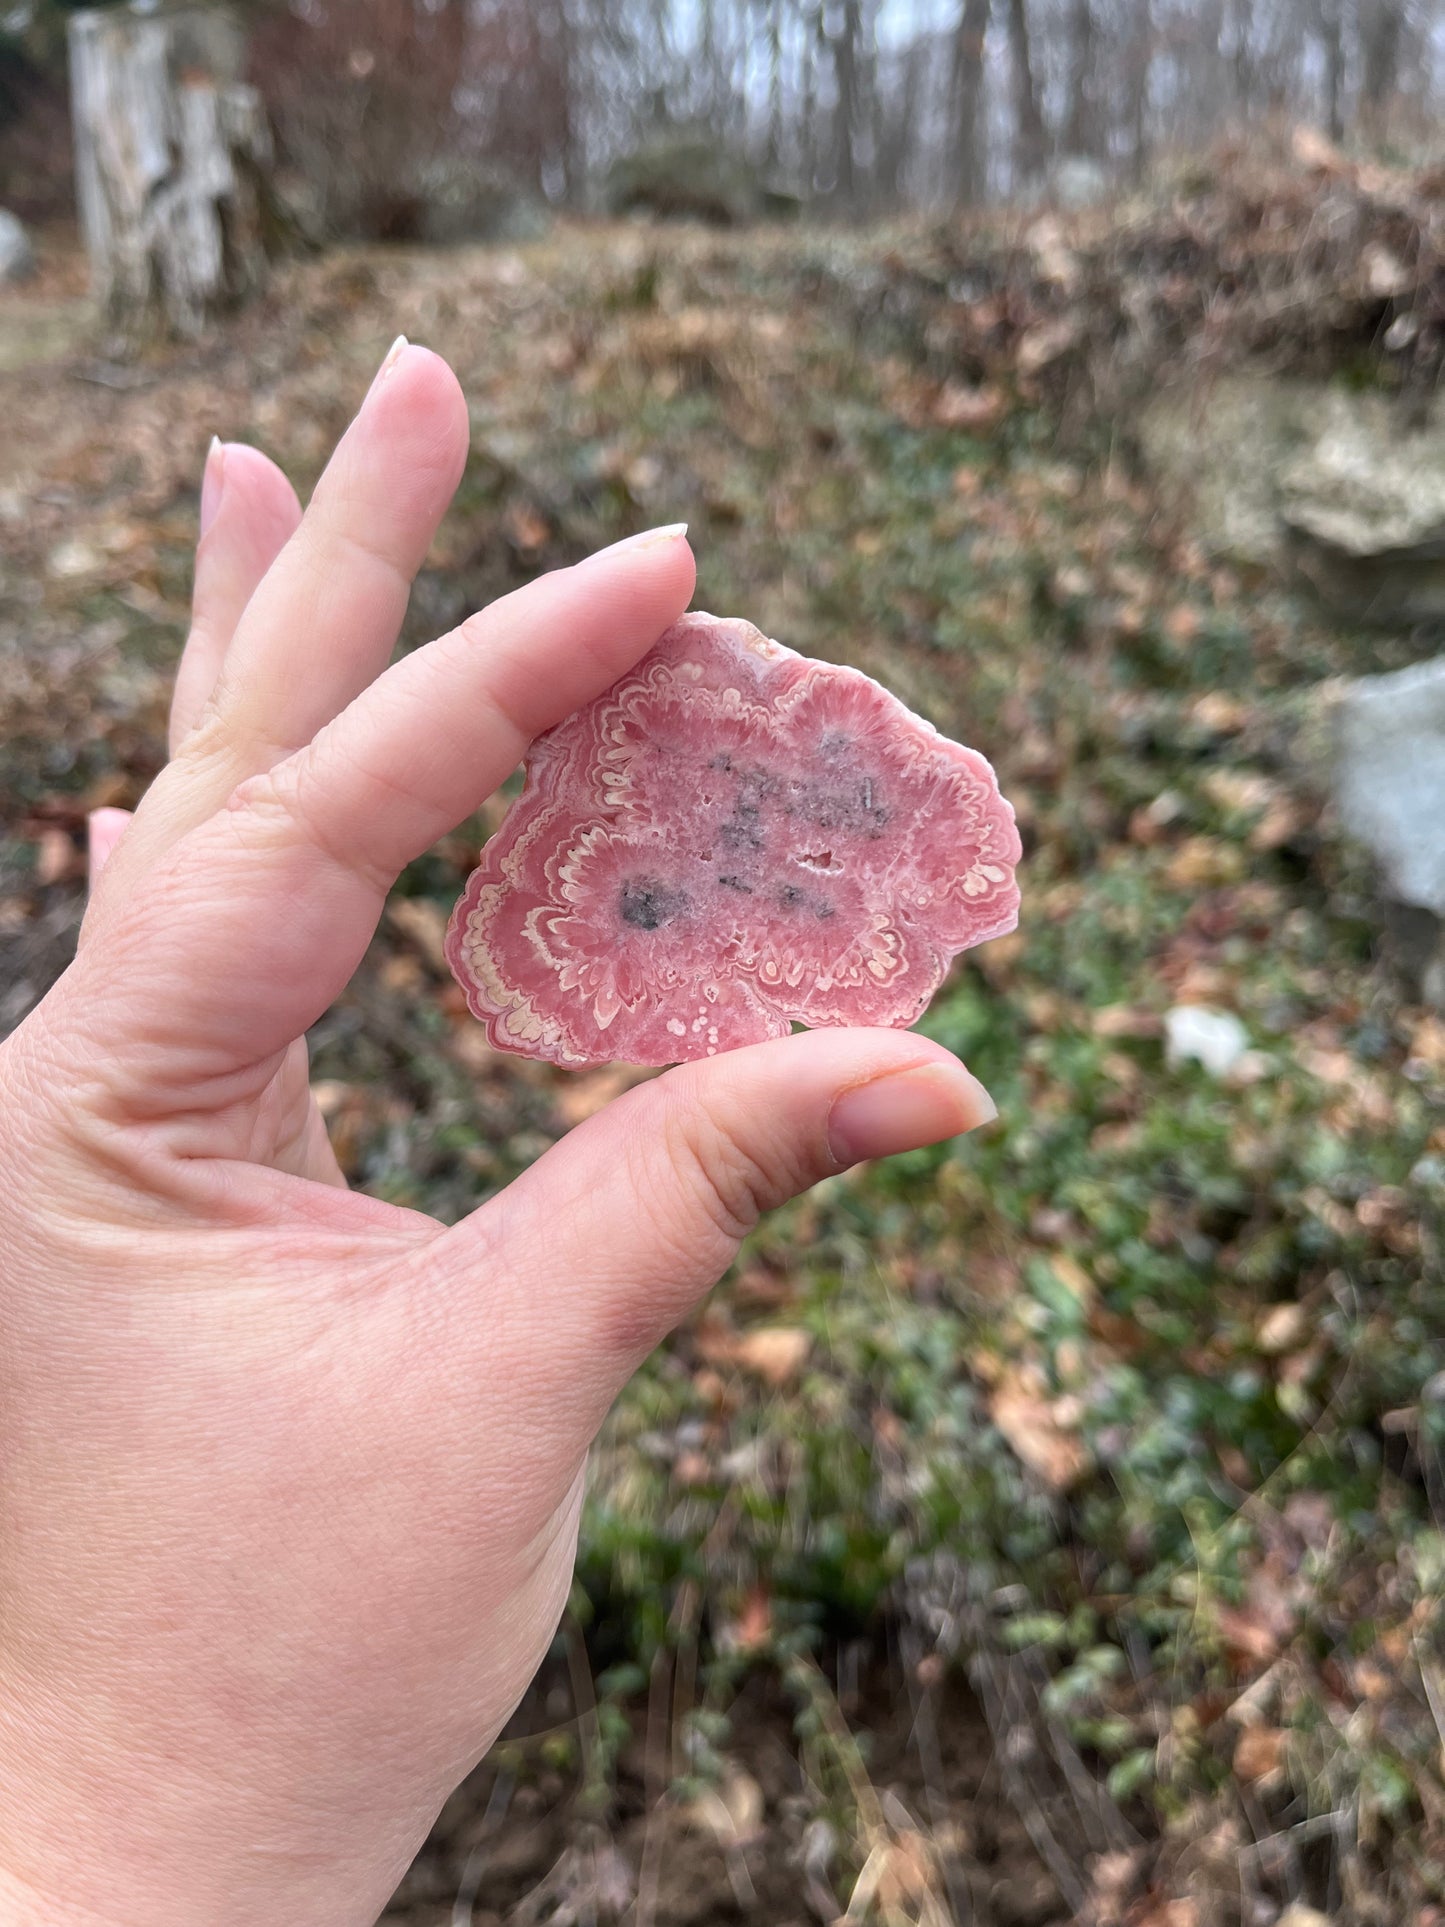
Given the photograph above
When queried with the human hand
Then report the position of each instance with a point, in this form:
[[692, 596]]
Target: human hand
[[290, 1477]]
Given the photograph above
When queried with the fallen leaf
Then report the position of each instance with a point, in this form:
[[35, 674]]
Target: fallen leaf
[[526, 528], [582, 1097], [1311, 149], [1072, 1276], [1281, 1328], [958, 406], [775, 1354], [1030, 1423], [1203, 862], [424, 924], [1045, 343], [1258, 1752], [57, 860], [1130, 1021]]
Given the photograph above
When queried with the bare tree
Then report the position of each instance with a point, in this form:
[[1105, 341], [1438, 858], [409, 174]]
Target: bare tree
[[1381, 26], [1329, 27], [846, 57], [1081, 127], [969, 42], [1139, 57], [1030, 134]]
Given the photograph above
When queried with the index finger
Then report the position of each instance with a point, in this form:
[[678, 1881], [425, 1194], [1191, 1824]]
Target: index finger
[[279, 893]]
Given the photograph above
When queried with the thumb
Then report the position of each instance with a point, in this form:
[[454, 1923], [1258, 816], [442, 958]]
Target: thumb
[[621, 1227]]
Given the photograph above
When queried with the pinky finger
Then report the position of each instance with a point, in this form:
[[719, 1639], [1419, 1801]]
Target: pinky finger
[[249, 512]]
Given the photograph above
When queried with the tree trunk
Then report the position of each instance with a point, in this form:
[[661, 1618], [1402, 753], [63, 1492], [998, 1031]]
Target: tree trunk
[[845, 124], [775, 85], [1141, 62], [969, 38], [1381, 30], [1081, 129], [172, 157], [1030, 138], [1332, 37], [1242, 56]]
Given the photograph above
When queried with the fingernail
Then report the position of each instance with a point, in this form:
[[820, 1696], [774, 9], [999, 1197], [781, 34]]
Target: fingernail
[[648, 539], [213, 482], [105, 828], [905, 1110], [393, 355]]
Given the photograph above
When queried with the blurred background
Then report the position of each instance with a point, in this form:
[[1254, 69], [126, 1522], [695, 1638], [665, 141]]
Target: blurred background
[[1044, 1528]]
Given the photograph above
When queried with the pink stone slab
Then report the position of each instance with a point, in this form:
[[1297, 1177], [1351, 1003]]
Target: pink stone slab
[[732, 839]]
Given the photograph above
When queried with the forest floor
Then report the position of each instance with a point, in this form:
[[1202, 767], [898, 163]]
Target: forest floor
[[1041, 1528]]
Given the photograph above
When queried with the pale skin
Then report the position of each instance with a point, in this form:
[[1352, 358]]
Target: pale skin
[[289, 1477]]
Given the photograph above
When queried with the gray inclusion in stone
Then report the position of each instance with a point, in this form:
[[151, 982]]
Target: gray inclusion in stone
[[647, 903]]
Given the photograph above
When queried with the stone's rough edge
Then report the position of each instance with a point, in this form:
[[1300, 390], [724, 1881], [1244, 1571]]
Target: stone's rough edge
[[513, 1012]]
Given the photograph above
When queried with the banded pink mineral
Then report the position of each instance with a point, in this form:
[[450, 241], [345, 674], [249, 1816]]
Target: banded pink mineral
[[731, 839]]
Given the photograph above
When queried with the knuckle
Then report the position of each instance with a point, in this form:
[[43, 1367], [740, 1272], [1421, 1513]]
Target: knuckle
[[728, 1178], [286, 804]]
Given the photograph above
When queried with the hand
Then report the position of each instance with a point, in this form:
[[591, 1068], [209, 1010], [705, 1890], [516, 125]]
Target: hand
[[290, 1478]]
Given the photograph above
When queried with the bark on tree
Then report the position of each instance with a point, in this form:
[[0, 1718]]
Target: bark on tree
[[845, 122], [172, 155], [969, 39], [1241, 27], [1381, 31], [1331, 29], [1140, 66], [1081, 129], [1030, 136]]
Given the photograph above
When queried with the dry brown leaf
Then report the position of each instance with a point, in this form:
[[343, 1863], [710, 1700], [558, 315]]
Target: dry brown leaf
[[732, 1811], [1222, 715], [582, 1097], [1427, 1043], [1311, 149], [1127, 1021], [775, 1354], [1203, 862], [1030, 1423], [1281, 1328], [975, 409], [526, 528], [1045, 343], [424, 924], [57, 860], [1072, 1276], [1258, 1752], [1167, 1913]]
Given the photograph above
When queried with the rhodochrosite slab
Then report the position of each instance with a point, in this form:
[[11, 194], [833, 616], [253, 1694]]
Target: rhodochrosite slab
[[732, 838]]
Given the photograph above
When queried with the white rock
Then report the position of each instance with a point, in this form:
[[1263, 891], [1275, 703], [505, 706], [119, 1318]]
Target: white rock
[[17, 258], [1199, 1034], [1390, 777]]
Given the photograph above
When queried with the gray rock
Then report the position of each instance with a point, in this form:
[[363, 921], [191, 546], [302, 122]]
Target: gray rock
[[1389, 786], [685, 176], [17, 257], [1337, 488], [1225, 446], [1364, 511]]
